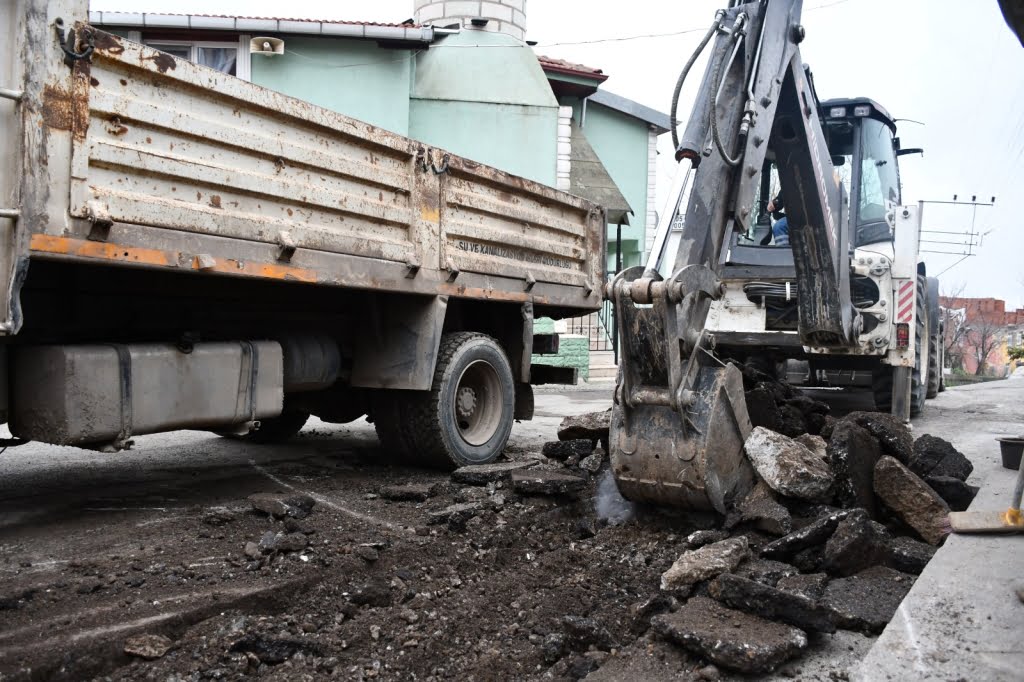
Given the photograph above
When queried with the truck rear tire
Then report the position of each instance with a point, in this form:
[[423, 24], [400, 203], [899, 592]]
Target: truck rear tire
[[466, 416], [881, 383], [276, 429]]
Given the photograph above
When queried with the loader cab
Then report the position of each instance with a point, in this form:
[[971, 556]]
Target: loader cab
[[860, 137]]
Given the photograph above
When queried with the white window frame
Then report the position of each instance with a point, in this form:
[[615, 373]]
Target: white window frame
[[243, 65]]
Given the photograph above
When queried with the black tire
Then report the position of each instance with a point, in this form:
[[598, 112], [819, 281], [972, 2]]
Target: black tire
[[276, 429], [466, 416], [881, 380], [934, 366], [935, 348]]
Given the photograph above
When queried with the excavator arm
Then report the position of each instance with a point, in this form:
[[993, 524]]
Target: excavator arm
[[679, 419]]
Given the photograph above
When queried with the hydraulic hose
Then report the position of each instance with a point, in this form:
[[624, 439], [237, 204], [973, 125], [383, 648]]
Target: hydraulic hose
[[717, 79], [717, 24]]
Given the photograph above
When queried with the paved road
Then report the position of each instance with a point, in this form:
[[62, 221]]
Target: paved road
[[44, 486]]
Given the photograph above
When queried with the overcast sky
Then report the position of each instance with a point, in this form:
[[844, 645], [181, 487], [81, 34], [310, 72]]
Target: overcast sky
[[952, 65]]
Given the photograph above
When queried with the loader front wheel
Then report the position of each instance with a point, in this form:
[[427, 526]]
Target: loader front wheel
[[935, 360], [466, 416]]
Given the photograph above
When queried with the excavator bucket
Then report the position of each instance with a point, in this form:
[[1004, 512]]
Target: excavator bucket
[[686, 455]]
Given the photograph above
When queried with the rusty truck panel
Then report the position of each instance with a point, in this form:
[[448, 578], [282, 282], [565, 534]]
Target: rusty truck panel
[[175, 165], [171, 145], [492, 226]]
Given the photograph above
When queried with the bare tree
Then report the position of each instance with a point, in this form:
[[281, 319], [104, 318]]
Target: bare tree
[[984, 334], [954, 326]]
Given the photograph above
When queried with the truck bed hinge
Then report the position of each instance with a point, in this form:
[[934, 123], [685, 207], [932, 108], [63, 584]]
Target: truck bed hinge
[[72, 42]]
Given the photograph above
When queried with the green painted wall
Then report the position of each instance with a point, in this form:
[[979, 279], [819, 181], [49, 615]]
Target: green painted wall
[[353, 77], [620, 141], [573, 349], [517, 139], [483, 95]]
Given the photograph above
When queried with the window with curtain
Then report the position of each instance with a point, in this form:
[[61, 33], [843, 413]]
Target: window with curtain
[[222, 56]]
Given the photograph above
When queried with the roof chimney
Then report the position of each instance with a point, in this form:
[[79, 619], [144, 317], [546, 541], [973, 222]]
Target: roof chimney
[[503, 16]]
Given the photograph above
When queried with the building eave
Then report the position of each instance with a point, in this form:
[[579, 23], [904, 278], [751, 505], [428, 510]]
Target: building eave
[[200, 22], [657, 120]]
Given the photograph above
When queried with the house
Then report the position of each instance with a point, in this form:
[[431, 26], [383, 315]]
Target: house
[[458, 76], [979, 333]]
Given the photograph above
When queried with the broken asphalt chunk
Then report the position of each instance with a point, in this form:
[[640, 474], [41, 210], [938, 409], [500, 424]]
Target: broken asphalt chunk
[[731, 639], [908, 555], [852, 453], [564, 449], [546, 482], [937, 457], [149, 647], [787, 466], [463, 511], [892, 434], [815, 533], [281, 505], [581, 633], [591, 426], [867, 601], [956, 493], [857, 543], [910, 498], [707, 562], [771, 603], [760, 509], [409, 492], [810, 585], [482, 474], [699, 538], [765, 571]]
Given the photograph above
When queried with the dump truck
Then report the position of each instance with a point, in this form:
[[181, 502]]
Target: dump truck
[[182, 249], [839, 286]]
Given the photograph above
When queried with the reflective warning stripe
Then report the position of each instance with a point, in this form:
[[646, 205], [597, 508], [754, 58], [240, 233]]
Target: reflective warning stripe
[[905, 302]]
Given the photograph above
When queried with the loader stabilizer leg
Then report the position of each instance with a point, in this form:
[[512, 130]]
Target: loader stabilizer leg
[[901, 384]]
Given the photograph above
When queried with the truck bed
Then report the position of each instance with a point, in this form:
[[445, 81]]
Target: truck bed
[[155, 162]]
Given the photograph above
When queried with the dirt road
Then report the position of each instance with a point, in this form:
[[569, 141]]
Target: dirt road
[[161, 540]]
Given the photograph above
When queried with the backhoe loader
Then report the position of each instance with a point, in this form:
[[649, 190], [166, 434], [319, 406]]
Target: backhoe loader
[[847, 295]]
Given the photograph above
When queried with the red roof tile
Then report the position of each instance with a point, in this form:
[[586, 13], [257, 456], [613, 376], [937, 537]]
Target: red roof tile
[[562, 66]]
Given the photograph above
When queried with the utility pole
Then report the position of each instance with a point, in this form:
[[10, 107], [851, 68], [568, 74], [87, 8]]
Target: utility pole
[[945, 239]]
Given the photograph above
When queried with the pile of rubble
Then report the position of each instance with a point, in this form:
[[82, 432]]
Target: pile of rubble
[[536, 568], [845, 513]]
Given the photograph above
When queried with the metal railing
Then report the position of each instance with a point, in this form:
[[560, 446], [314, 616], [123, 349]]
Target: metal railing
[[599, 328]]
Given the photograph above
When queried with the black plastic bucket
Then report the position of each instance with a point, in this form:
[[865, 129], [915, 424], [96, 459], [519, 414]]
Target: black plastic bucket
[[1011, 450]]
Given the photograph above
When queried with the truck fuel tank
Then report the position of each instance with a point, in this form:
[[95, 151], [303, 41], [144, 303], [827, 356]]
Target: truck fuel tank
[[100, 395]]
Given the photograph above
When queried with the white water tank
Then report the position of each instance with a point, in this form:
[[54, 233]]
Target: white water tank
[[502, 16]]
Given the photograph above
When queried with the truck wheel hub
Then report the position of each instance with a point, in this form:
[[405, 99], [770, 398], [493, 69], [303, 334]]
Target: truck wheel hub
[[477, 403], [466, 402]]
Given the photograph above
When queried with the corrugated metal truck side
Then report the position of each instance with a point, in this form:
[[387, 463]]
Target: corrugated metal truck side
[[183, 249]]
